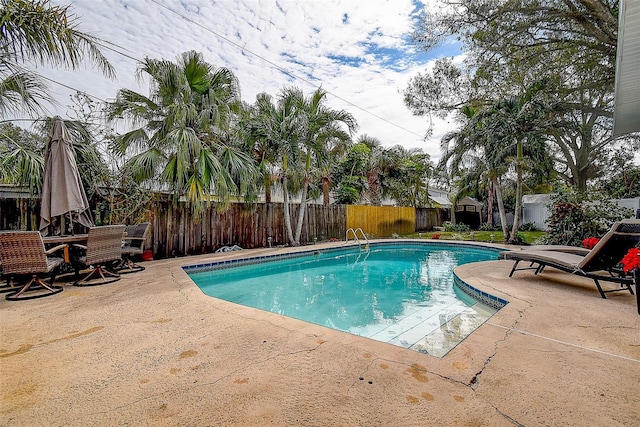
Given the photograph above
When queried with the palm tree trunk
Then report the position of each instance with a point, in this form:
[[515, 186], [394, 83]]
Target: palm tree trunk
[[374, 187], [503, 213], [325, 191], [518, 208], [267, 187], [301, 212], [287, 210], [490, 204]]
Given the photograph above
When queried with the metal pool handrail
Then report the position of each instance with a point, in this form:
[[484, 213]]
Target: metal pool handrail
[[355, 235]]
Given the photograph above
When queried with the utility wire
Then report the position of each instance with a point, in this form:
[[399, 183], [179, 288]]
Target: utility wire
[[72, 88], [278, 67], [119, 50]]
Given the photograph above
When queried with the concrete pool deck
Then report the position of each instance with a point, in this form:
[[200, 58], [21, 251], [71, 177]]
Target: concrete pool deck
[[152, 349]]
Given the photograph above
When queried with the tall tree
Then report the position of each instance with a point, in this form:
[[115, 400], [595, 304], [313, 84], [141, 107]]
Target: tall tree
[[185, 140], [321, 126], [36, 30], [265, 126], [511, 44], [21, 157], [407, 177], [375, 168], [471, 153], [517, 121]]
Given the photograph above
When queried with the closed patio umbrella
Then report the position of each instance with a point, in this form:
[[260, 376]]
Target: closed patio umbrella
[[62, 190]]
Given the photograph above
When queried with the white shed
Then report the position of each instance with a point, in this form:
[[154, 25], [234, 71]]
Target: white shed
[[534, 209]]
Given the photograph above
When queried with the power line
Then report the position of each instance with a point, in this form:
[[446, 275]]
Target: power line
[[109, 46], [278, 67], [119, 50], [72, 88]]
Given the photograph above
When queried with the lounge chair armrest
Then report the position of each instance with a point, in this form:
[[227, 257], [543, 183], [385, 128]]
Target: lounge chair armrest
[[78, 245], [55, 249]]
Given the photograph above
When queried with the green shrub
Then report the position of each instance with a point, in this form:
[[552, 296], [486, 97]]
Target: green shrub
[[488, 227], [576, 216], [529, 226], [448, 226]]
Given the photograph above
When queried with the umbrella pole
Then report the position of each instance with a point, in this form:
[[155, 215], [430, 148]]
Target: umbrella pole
[[71, 222]]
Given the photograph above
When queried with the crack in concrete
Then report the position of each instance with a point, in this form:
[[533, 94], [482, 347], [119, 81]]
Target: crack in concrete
[[475, 380]]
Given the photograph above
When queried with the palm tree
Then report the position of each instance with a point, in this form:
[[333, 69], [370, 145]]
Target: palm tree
[[320, 127], [407, 180], [21, 158], [22, 154], [186, 139], [337, 147], [35, 30], [521, 123], [294, 139], [375, 166], [269, 127], [472, 152]]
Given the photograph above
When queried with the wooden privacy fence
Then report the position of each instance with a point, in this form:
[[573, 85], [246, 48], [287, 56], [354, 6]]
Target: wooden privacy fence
[[177, 232], [381, 221]]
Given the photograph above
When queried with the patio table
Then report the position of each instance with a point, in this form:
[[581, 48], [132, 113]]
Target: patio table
[[72, 238]]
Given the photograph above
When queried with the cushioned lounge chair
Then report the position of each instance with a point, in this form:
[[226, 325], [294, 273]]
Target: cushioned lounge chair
[[578, 250], [600, 264], [134, 242], [104, 247], [23, 255]]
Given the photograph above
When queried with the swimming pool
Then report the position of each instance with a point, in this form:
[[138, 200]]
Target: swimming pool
[[403, 293]]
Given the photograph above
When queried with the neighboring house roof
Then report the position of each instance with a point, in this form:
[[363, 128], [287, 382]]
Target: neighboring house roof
[[469, 201], [442, 201]]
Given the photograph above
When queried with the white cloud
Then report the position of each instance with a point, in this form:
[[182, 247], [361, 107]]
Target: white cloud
[[306, 38]]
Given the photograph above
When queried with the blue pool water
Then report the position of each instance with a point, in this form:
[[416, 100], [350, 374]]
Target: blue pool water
[[390, 292]]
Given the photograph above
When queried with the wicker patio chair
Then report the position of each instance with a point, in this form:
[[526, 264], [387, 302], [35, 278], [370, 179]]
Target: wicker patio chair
[[23, 254], [134, 242], [104, 247]]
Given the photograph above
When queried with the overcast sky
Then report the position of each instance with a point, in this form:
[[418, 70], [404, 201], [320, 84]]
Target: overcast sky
[[360, 51]]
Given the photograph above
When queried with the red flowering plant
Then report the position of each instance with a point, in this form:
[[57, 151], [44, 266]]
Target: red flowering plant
[[590, 242], [631, 260]]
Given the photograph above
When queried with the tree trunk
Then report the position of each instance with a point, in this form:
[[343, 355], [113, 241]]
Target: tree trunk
[[267, 188], [503, 214], [518, 208], [287, 211], [490, 205], [374, 187], [325, 191], [301, 212]]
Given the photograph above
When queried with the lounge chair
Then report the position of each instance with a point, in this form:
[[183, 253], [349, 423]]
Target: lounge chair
[[578, 250], [600, 264], [134, 242], [104, 247], [23, 254]]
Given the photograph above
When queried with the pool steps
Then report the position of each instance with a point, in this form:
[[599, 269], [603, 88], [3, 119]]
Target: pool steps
[[432, 330]]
